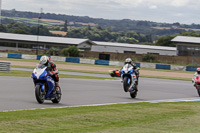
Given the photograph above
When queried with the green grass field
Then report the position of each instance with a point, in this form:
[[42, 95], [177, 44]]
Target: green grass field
[[180, 117], [32, 21]]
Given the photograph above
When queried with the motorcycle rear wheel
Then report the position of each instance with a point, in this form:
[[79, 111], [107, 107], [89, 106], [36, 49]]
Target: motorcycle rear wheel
[[58, 97], [39, 94], [198, 90], [112, 75]]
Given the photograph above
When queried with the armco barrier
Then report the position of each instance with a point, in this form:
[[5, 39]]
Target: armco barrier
[[161, 66], [29, 57], [4, 66], [4, 55], [178, 68], [38, 57], [148, 65], [57, 58], [101, 62], [73, 60], [116, 63], [16, 56], [137, 64], [87, 61], [191, 68]]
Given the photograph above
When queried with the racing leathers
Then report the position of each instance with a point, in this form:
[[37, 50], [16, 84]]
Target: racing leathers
[[53, 71], [195, 75]]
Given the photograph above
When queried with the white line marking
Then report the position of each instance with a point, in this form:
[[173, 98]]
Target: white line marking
[[151, 101]]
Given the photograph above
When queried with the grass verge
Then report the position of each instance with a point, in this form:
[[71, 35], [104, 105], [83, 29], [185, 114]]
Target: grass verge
[[105, 66], [145, 76], [68, 70], [17, 73], [58, 62], [180, 117]]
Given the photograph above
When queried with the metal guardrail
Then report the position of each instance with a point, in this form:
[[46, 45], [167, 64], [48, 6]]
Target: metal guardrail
[[4, 66]]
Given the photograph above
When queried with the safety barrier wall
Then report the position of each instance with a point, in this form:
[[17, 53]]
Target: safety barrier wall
[[87, 61], [178, 68], [57, 58], [190, 68], [138, 64], [99, 62], [3, 55], [4, 66], [38, 57], [16, 56], [73, 60], [116, 63], [29, 57], [161, 66], [148, 65]]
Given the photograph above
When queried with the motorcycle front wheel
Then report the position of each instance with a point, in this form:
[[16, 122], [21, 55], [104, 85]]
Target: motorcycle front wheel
[[133, 93], [39, 94], [125, 84]]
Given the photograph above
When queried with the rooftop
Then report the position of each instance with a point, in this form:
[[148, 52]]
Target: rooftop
[[42, 39], [186, 39], [135, 46]]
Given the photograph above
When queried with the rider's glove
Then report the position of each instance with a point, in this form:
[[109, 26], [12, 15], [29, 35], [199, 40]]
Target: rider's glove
[[52, 73]]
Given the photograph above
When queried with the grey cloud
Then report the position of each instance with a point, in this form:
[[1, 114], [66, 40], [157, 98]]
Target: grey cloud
[[183, 11]]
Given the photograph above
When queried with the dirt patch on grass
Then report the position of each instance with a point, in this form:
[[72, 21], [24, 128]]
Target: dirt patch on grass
[[58, 32], [50, 20]]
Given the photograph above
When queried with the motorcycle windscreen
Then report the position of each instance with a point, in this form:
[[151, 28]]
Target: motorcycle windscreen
[[127, 68]]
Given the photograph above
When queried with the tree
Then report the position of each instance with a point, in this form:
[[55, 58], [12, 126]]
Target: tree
[[52, 51], [71, 51], [166, 41], [65, 26], [19, 31], [3, 28]]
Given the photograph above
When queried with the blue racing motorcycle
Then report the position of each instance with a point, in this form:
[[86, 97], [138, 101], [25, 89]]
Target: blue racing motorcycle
[[129, 80], [44, 85]]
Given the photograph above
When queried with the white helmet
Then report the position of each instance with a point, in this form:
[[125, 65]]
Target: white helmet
[[44, 60], [128, 60]]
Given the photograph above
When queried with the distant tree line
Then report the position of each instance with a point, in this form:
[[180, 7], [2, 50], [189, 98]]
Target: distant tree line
[[125, 25], [92, 33], [105, 34], [20, 28], [96, 34]]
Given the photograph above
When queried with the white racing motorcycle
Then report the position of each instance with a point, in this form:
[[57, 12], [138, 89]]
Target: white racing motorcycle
[[129, 79]]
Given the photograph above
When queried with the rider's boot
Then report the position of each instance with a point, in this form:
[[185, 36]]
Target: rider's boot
[[57, 88], [194, 84]]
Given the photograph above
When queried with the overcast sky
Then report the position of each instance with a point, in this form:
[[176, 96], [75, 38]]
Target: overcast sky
[[169, 11]]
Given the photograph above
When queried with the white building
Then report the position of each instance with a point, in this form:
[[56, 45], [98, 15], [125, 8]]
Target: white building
[[187, 46], [35, 40]]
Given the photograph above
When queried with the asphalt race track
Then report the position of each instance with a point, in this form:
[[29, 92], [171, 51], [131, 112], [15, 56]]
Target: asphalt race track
[[17, 93]]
